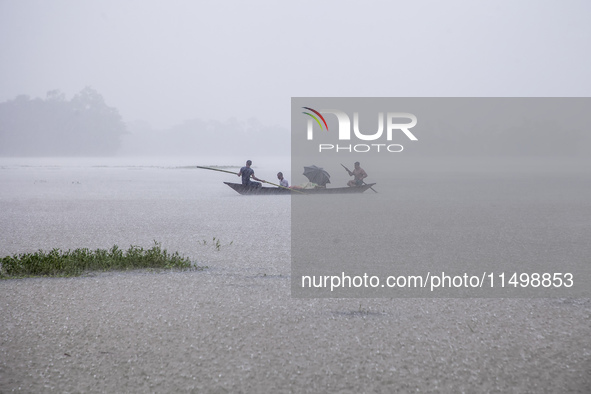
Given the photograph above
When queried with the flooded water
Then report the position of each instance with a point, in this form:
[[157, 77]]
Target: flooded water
[[234, 327], [470, 216], [525, 212], [97, 203]]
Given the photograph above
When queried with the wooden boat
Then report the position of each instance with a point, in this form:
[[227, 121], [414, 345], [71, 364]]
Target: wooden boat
[[240, 188]]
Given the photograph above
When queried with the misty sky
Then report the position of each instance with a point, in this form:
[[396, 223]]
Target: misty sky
[[167, 61]]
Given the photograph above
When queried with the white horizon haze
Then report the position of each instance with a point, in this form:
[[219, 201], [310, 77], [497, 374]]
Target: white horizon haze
[[166, 62]]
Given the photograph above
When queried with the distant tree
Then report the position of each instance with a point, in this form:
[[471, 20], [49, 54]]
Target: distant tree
[[85, 125], [55, 95]]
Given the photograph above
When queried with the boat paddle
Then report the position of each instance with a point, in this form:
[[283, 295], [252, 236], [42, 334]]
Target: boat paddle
[[235, 173], [361, 180]]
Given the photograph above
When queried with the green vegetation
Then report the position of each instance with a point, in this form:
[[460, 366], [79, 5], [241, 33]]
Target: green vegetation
[[79, 261]]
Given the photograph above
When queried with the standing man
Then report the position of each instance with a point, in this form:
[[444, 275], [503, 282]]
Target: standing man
[[246, 173], [282, 181], [359, 174]]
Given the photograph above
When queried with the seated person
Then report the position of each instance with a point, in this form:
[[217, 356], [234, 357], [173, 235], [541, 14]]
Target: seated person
[[282, 181], [247, 173]]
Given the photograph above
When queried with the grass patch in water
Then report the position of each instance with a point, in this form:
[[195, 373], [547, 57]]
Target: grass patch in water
[[77, 262]]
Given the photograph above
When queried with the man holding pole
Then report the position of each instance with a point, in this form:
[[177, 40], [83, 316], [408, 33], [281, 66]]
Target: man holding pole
[[246, 173], [359, 174]]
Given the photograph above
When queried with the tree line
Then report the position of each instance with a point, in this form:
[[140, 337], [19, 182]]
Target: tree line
[[82, 126]]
